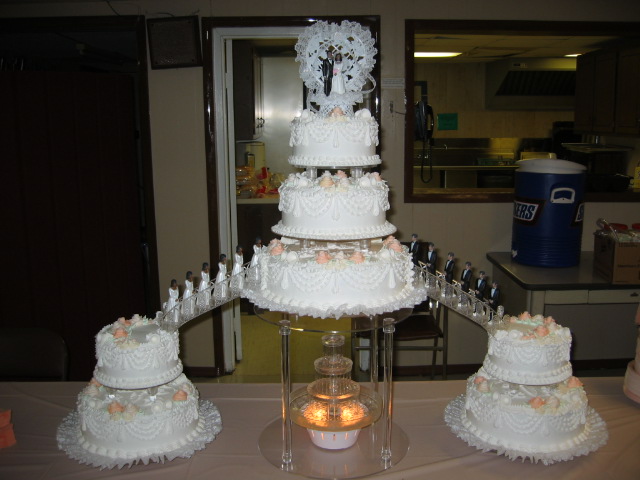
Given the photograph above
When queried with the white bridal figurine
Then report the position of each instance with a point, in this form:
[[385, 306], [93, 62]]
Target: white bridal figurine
[[204, 293], [173, 295], [337, 84], [237, 273], [187, 295], [221, 285]]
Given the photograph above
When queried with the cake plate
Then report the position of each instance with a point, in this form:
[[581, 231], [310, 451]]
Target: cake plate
[[379, 446]]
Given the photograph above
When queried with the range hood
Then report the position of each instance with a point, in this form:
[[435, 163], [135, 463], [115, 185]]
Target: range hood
[[530, 84]]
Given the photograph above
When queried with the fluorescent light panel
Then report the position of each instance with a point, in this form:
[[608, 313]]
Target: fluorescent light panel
[[435, 54]]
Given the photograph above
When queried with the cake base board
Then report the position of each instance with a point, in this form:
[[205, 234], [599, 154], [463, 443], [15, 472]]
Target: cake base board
[[360, 460], [597, 436], [69, 437]]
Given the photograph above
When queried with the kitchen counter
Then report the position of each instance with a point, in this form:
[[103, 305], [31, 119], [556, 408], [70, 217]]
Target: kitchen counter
[[599, 314]]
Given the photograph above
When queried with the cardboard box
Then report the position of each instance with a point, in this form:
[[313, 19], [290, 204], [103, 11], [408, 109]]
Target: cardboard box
[[617, 262]]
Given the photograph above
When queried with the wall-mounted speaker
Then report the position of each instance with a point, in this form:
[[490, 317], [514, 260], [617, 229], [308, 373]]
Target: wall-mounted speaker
[[174, 42]]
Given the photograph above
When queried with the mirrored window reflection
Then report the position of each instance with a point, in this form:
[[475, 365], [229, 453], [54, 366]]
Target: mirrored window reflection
[[502, 97]]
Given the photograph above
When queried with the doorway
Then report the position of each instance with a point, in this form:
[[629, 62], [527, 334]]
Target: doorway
[[233, 227]]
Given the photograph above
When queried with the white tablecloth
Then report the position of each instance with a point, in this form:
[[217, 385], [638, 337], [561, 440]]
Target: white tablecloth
[[246, 409]]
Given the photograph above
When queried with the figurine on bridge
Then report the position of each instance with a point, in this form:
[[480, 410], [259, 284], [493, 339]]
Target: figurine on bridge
[[448, 267], [221, 278], [237, 276], [494, 296], [204, 293], [414, 249], [173, 295], [187, 295], [431, 258], [481, 285], [465, 278]]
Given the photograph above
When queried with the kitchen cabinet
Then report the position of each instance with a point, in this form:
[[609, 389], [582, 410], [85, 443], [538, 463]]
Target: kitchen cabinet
[[599, 314], [627, 119], [247, 91], [596, 92]]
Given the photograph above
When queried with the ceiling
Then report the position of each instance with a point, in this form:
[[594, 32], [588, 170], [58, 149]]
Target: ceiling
[[488, 48]]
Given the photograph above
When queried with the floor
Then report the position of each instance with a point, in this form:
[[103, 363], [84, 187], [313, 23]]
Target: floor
[[261, 358]]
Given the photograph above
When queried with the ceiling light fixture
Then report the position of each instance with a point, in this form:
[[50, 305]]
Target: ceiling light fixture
[[573, 55], [435, 54]]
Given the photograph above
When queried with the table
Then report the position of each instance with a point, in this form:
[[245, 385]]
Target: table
[[599, 314], [246, 409]]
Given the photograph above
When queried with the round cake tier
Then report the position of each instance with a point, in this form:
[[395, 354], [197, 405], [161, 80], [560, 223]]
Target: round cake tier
[[631, 385], [119, 427], [334, 141], [529, 350], [334, 207], [544, 423], [136, 353], [335, 279]]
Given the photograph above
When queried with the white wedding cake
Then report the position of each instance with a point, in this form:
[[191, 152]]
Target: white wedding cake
[[331, 259], [524, 401], [139, 407], [631, 385]]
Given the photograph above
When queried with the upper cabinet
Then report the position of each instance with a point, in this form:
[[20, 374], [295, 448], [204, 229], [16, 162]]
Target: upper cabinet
[[608, 92], [247, 91], [628, 92], [595, 92]]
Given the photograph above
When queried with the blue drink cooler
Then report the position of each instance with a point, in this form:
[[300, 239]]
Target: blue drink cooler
[[548, 212]]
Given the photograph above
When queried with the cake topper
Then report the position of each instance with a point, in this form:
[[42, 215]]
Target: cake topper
[[335, 64]]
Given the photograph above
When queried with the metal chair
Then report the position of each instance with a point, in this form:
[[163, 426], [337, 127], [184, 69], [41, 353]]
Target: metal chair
[[32, 354]]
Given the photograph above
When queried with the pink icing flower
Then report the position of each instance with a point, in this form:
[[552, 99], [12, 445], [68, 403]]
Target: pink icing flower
[[124, 321], [396, 246], [525, 316], [277, 249], [541, 331], [95, 382], [357, 257], [513, 319], [120, 333], [482, 387], [536, 402], [323, 257], [528, 337], [274, 242], [549, 320], [180, 396], [341, 174], [115, 407], [388, 240], [326, 181], [574, 382], [376, 176], [479, 379]]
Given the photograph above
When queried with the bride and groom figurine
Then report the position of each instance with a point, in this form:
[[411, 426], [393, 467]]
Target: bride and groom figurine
[[332, 77]]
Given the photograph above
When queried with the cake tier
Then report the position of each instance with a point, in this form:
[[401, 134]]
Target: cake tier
[[535, 419], [334, 141], [334, 207], [529, 350], [631, 386], [335, 279], [124, 426], [136, 353]]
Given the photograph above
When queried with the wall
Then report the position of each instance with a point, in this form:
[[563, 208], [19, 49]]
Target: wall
[[459, 88], [178, 134]]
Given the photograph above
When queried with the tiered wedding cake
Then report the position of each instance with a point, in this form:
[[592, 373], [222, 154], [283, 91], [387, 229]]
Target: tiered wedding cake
[[331, 260], [139, 407], [524, 401], [631, 385]]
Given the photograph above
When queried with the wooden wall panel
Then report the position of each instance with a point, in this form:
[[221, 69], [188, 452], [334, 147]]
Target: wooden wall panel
[[69, 146]]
